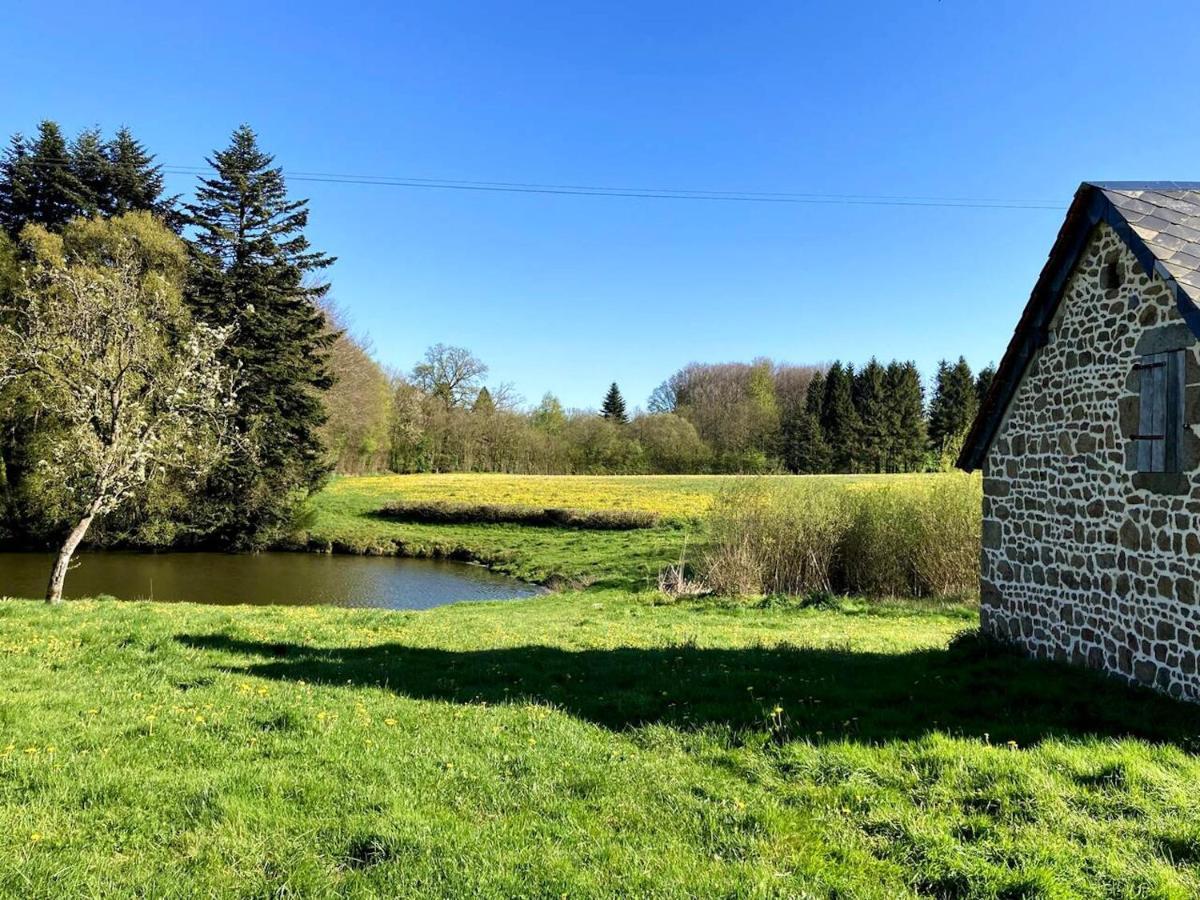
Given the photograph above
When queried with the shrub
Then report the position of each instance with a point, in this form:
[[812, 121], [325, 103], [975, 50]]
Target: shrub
[[912, 536], [445, 513]]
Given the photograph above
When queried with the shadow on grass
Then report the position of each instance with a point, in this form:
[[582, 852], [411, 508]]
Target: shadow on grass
[[973, 688]]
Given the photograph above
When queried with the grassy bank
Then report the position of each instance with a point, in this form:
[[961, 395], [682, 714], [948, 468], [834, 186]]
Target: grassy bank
[[596, 744], [815, 511]]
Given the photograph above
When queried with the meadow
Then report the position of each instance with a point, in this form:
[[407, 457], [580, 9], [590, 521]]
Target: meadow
[[602, 740]]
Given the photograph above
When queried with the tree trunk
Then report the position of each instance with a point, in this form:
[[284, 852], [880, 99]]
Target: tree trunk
[[58, 575]]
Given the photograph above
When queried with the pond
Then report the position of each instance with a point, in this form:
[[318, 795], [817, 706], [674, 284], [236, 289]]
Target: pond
[[290, 579]]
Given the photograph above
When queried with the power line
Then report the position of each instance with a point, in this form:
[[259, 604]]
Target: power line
[[577, 190]]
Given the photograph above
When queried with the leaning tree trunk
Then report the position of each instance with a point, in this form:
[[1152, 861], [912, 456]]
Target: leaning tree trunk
[[58, 575]]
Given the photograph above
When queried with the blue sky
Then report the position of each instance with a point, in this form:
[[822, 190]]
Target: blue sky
[[1013, 101]]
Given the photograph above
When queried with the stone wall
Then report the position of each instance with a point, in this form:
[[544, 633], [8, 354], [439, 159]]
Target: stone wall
[[1085, 559]]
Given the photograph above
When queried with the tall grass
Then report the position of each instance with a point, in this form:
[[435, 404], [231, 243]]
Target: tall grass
[[915, 536]]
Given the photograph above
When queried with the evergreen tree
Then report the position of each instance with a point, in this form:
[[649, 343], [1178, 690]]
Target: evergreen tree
[[954, 404], [805, 451], [250, 270], [839, 418], [38, 183], [89, 163], [906, 401], [613, 407], [484, 402], [134, 181], [874, 412], [983, 381]]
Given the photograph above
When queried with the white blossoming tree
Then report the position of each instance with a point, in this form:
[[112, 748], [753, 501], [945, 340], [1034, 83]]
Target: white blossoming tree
[[126, 386]]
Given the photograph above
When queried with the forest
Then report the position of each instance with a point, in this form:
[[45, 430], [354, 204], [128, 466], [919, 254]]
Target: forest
[[306, 396]]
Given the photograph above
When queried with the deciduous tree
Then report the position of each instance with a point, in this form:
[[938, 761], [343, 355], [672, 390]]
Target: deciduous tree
[[101, 341]]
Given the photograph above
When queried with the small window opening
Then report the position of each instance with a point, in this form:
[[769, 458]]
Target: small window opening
[[1112, 275], [1160, 414]]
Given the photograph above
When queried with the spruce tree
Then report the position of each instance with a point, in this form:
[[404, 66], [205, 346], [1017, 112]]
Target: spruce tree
[[906, 400], [805, 451], [135, 181], [954, 404], [874, 412], [38, 183], [250, 270], [839, 418], [613, 407], [89, 163], [983, 381]]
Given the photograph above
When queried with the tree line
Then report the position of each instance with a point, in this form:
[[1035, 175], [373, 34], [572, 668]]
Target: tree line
[[759, 417], [91, 254], [306, 397]]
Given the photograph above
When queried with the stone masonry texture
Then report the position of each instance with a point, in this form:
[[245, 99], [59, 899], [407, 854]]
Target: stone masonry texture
[[1084, 559]]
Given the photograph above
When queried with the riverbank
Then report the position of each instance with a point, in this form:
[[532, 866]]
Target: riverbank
[[603, 740]]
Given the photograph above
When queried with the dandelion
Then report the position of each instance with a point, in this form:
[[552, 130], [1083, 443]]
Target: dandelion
[[389, 721], [36, 836]]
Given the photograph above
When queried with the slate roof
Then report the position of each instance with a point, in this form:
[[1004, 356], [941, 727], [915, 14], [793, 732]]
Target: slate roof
[[1158, 220], [1166, 216]]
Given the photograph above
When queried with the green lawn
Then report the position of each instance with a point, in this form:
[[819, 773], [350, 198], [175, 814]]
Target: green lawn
[[588, 743]]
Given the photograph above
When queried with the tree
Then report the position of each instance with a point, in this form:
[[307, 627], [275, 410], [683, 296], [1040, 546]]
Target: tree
[[101, 341], [358, 406], [663, 399], [954, 404], [875, 414], [805, 450], [484, 405], [549, 416], [670, 443], [252, 270], [908, 442], [983, 381], [89, 164], [839, 418], [38, 182], [453, 375], [134, 180], [613, 407]]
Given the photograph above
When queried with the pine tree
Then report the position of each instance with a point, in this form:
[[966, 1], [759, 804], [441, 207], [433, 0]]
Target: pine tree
[[251, 262], [906, 401], [874, 412], [613, 407], [839, 418], [954, 404], [805, 451]]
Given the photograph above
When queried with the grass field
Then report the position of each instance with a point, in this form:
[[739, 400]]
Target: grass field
[[603, 742]]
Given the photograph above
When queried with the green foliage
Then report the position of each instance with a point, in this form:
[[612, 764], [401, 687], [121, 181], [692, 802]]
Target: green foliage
[[549, 416], [47, 182], [511, 514], [954, 404], [908, 441], [983, 381], [484, 405], [613, 407], [875, 413], [252, 270], [840, 420], [670, 444]]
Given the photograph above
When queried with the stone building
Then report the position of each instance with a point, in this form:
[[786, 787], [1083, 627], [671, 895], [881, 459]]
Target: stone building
[[1088, 442]]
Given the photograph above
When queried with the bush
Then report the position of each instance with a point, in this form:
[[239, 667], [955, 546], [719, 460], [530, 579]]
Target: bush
[[914, 536], [503, 514]]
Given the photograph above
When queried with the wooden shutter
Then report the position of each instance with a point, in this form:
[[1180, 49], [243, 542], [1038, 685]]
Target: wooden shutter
[[1160, 420]]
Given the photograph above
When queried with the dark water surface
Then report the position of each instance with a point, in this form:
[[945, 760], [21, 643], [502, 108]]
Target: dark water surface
[[291, 579]]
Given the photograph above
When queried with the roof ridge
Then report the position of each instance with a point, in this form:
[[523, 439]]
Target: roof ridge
[[1145, 185]]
